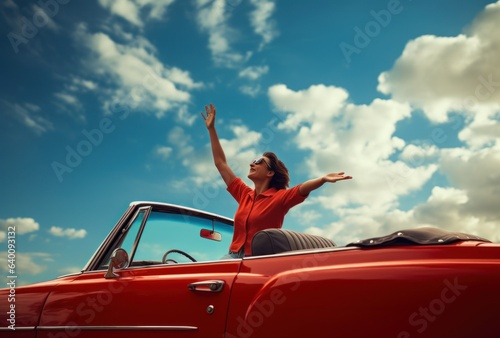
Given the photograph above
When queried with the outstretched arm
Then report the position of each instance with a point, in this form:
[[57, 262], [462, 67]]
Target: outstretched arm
[[308, 186], [218, 153]]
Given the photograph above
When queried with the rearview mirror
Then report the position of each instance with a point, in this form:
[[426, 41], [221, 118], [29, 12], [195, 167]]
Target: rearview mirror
[[210, 234], [119, 260]]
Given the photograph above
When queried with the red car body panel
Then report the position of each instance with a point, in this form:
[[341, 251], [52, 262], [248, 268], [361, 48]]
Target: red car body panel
[[28, 303], [427, 291], [156, 296], [400, 291]]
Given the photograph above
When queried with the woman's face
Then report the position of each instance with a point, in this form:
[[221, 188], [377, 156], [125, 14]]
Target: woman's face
[[259, 168]]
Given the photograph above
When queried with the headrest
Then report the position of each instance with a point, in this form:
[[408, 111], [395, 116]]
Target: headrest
[[272, 241]]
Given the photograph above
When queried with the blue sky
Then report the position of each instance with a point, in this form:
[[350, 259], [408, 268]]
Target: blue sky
[[100, 105]]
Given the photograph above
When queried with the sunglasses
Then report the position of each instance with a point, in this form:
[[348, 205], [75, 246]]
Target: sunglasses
[[260, 160]]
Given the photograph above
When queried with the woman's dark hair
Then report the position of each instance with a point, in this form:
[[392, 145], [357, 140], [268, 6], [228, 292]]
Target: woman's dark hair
[[280, 179]]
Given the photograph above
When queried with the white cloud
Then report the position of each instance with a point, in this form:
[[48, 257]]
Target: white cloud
[[78, 83], [475, 172], [27, 263], [178, 137], [19, 225], [125, 8], [304, 214], [253, 72], [252, 91], [164, 152], [68, 99], [444, 74], [181, 77], [415, 155], [358, 140], [212, 17], [29, 115], [261, 20], [239, 151], [483, 131], [303, 105], [440, 202], [455, 74], [438, 75], [245, 138], [457, 210], [131, 10], [142, 82], [69, 232]]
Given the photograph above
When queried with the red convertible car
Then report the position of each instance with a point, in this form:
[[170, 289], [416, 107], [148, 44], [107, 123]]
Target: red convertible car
[[159, 273]]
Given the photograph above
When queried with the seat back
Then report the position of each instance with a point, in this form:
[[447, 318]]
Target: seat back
[[272, 241]]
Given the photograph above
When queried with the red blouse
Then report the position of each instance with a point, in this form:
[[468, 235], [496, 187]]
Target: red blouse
[[265, 211]]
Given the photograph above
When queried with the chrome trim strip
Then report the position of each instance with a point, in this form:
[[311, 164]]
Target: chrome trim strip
[[101, 248], [74, 274], [147, 212], [196, 212], [159, 265], [304, 252], [137, 327], [18, 328]]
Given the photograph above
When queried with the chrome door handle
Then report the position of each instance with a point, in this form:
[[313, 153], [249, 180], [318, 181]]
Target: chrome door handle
[[207, 286]]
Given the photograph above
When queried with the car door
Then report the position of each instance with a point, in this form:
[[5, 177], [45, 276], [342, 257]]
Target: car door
[[157, 294]]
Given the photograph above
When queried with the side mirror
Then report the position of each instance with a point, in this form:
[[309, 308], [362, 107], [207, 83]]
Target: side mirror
[[119, 260], [210, 234]]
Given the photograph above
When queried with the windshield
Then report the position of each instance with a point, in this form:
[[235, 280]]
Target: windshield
[[149, 237]]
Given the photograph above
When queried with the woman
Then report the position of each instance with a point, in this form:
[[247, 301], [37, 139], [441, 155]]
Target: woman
[[266, 205]]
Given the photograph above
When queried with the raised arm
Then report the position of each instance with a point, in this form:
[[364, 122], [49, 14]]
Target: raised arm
[[218, 153], [308, 186]]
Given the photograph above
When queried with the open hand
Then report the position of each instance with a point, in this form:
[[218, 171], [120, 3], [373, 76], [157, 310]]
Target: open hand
[[334, 177], [210, 117]]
